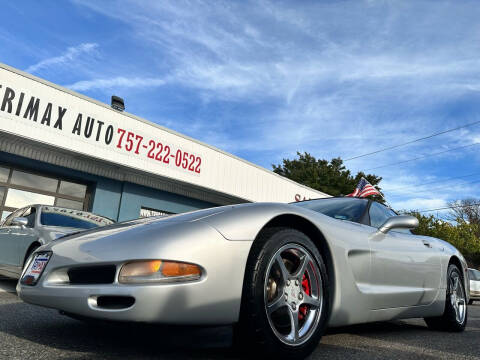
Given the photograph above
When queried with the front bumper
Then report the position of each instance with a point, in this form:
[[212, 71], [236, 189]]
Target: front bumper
[[186, 303], [474, 295], [212, 300]]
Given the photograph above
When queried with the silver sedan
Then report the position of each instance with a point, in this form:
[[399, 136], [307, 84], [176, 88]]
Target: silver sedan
[[281, 273], [28, 228]]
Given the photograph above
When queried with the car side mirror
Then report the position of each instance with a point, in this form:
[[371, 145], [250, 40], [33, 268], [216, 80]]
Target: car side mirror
[[399, 222], [20, 221]]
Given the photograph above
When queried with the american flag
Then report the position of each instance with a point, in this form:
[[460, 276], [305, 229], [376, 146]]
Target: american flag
[[363, 189]]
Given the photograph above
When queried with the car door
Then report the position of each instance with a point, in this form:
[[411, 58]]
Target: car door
[[8, 237], [406, 268], [474, 283], [26, 235]]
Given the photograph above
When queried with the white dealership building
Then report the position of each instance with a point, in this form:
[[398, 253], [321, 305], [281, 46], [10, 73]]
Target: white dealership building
[[61, 148]]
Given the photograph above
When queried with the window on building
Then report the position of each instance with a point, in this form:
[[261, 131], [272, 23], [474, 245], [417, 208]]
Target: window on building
[[72, 189], [4, 173], [18, 198], [71, 204], [38, 182], [20, 188], [2, 193]]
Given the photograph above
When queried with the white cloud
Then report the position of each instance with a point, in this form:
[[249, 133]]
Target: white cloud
[[117, 82], [68, 56], [331, 78]]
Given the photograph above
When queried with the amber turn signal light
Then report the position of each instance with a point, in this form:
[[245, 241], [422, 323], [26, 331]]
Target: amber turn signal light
[[158, 271]]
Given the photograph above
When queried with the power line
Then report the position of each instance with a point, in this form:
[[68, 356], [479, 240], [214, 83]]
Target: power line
[[448, 207], [441, 187], [432, 182], [423, 157], [413, 141], [444, 187]]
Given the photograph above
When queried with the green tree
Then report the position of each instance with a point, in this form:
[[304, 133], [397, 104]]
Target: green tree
[[330, 177], [466, 210], [461, 234]]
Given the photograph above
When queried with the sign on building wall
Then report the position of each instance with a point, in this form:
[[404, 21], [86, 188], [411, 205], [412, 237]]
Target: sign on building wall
[[34, 109]]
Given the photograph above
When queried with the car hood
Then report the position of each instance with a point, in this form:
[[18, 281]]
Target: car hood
[[150, 223], [50, 233], [139, 239]]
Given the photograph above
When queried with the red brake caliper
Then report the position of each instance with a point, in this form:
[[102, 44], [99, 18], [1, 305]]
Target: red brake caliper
[[302, 311]]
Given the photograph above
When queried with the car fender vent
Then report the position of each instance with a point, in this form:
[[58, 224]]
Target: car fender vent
[[115, 302]]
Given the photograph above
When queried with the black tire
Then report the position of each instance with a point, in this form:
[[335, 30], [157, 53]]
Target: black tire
[[255, 325], [470, 302], [449, 320]]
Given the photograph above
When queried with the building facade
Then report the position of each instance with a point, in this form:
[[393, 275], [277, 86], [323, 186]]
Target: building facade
[[61, 148]]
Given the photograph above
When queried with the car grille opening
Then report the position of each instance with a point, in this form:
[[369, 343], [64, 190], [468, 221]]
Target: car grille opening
[[86, 275], [115, 302]]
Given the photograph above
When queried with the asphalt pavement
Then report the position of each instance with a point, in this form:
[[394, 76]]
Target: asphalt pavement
[[31, 332]]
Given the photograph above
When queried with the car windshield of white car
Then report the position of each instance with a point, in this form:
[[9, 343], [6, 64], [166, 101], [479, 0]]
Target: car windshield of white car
[[55, 216], [338, 208], [474, 275]]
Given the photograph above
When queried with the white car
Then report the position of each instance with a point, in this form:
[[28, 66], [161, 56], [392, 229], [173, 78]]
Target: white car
[[474, 285], [28, 228]]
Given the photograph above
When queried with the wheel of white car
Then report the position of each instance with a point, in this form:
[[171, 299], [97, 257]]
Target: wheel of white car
[[455, 315], [30, 251], [285, 302]]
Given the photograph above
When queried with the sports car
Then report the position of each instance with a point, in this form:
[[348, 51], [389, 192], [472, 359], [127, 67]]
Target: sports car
[[280, 273]]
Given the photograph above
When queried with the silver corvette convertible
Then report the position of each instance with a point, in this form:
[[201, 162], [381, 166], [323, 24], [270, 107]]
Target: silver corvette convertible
[[281, 273]]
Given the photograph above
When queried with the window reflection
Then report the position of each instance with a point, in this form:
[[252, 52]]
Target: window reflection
[[34, 181], [76, 205], [72, 189], [5, 213], [4, 174], [18, 198], [21, 190]]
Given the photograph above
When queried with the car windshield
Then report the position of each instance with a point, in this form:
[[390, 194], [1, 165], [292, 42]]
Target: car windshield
[[474, 274], [55, 216], [338, 208]]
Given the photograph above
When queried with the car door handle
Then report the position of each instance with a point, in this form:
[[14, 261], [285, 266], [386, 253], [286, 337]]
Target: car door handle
[[427, 244]]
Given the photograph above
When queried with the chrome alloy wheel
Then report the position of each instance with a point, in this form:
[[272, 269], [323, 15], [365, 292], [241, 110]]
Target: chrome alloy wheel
[[457, 297], [293, 294]]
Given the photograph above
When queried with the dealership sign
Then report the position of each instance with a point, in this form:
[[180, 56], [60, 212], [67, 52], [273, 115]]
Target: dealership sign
[[43, 112]]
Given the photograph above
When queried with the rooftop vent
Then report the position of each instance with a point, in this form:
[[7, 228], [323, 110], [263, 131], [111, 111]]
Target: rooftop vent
[[117, 103]]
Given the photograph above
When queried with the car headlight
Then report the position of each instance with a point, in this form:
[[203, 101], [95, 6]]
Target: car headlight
[[158, 271]]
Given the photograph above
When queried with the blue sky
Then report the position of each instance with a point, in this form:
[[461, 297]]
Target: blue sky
[[264, 79]]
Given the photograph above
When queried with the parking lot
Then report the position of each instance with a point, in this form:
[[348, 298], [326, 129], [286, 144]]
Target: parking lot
[[27, 331]]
